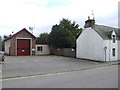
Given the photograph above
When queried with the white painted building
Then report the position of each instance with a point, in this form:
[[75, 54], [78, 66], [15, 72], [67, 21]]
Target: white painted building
[[42, 49], [98, 42], [7, 47], [119, 49]]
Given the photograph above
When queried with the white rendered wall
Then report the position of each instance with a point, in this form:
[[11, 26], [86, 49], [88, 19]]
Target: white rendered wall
[[119, 50], [90, 45], [45, 50], [109, 52], [7, 46], [113, 45], [110, 45]]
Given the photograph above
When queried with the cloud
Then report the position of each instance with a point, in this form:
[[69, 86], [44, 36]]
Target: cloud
[[43, 14]]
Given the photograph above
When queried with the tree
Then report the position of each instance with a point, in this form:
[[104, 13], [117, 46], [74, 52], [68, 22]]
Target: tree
[[64, 35], [43, 38]]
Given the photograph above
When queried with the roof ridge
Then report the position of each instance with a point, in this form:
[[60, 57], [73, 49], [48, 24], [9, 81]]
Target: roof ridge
[[106, 31], [24, 29]]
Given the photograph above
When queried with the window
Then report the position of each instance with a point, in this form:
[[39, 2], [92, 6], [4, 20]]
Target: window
[[40, 48], [113, 51], [113, 38]]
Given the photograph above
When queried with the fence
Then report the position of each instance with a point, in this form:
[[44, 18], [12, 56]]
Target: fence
[[68, 52]]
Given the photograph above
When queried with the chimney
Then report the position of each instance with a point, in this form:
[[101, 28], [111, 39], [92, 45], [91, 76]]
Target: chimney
[[89, 23]]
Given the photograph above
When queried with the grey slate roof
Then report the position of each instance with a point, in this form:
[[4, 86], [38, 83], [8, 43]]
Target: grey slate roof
[[106, 31]]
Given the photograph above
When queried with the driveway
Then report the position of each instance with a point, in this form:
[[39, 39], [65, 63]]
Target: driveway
[[32, 65]]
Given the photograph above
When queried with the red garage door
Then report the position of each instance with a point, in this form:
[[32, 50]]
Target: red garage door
[[23, 47]]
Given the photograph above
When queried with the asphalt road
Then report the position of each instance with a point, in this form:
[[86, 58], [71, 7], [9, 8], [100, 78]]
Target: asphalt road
[[32, 65], [57, 72]]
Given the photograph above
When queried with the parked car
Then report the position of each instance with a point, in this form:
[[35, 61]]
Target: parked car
[[2, 56]]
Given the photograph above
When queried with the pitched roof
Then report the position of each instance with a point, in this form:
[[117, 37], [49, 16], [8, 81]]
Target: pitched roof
[[105, 31], [24, 29]]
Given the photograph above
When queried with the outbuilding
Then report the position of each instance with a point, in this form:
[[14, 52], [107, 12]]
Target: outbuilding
[[42, 49], [20, 44]]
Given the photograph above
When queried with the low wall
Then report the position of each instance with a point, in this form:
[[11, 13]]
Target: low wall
[[68, 52]]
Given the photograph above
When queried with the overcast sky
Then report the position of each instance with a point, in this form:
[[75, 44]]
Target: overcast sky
[[43, 14]]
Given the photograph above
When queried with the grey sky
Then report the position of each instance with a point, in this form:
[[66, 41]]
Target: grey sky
[[43, 14]]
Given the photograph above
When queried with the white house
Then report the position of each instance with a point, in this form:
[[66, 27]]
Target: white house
[[42, 49], [98, 42]]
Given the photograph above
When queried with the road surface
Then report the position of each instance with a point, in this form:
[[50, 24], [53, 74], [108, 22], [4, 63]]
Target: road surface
[[58, 72]]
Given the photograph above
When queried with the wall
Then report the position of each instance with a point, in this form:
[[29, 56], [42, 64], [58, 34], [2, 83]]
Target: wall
[[113, 45], [90, 46], [45, 50], [119, 50], [107, 50], [109, 53], [7, 46], [12, 46], [68, 52]]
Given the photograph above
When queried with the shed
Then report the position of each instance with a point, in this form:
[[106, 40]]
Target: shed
[[21, 43], [42, 49]]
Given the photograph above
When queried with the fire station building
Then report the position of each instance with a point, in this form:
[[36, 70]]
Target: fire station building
[[20, 44]]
